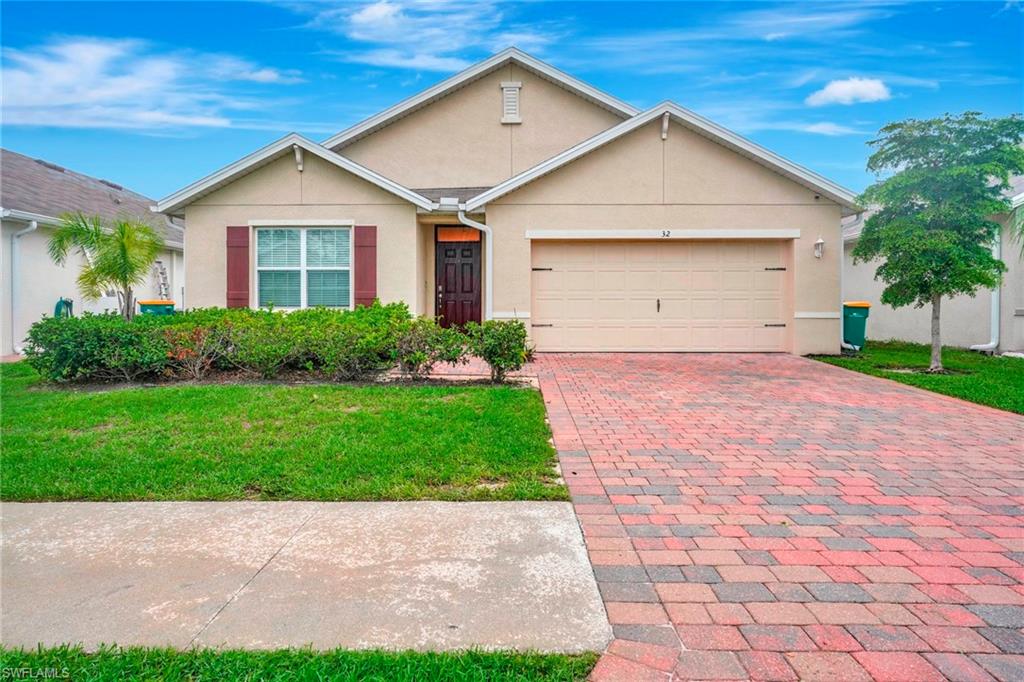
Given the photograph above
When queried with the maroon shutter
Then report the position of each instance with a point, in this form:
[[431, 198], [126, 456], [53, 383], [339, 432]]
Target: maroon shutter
[[238, 267], [365, 264]]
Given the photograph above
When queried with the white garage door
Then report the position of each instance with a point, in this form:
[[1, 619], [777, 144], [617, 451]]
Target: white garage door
[[659, 296]]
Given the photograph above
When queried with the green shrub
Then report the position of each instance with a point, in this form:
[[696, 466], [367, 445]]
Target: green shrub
[[422, 343], [97, 347], [354, 345], [502, 344], [262, 343]]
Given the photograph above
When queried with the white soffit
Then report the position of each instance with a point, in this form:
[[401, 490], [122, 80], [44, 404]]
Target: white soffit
[[695, 122], [463, 78], [273, 151]]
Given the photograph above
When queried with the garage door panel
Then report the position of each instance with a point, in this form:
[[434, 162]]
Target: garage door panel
[[654, 295]]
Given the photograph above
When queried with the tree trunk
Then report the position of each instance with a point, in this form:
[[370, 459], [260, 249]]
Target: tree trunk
[[936, 363], [128, 301]]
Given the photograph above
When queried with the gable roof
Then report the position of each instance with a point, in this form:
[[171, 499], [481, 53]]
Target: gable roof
[[273, 151], [698, 124], [33, 189], [463, 78]]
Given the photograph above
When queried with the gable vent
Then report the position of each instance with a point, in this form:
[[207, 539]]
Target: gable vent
[[510, 102]]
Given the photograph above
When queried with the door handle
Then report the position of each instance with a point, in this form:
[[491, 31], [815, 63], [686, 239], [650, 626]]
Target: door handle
[[659, 305]]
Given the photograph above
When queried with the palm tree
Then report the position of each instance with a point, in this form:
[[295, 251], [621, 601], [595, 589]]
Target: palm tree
[[118, 256]]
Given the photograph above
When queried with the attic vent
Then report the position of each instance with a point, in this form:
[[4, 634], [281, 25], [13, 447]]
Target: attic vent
[[510, 102], [51, 166], [108, 183]]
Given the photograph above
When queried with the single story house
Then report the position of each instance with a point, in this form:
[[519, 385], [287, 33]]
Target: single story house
[[991, 321], [514, 190], [33, 195]]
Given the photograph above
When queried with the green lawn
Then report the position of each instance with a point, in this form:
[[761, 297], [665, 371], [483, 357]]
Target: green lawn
[[994, 381], [273, 442], [295, 665]]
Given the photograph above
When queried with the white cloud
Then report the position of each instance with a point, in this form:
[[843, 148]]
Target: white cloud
[[428, 35], [850, 91], [830, 129], [83, 82]]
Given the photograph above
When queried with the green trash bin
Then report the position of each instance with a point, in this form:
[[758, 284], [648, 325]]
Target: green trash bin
[[156, 307], [855, 322]]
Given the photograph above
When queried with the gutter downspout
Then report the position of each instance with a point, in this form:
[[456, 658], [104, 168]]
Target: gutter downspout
[[32, 227], [488, 259], [993, 344]]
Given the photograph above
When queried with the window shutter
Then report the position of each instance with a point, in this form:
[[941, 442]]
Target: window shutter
[[238, 267], [365, 264]]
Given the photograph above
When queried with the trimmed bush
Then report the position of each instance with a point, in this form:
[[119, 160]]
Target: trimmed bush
[[422, 343], [502, 344], [96, 347], [337, 345]]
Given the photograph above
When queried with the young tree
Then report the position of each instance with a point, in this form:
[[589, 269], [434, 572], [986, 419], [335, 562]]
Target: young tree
[[933, 228], [119, 256]]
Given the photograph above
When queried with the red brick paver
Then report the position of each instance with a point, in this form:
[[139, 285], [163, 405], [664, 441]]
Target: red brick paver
[[771, 517]]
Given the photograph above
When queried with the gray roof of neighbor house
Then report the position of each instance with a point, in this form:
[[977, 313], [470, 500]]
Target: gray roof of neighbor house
[[46, 189], [852, 225]]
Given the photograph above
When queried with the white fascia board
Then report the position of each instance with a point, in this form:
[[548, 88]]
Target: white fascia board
[[1017, 201], [50, 221], [262, 156], [473, 72], [667, 234], [28, 217], [701, 125]]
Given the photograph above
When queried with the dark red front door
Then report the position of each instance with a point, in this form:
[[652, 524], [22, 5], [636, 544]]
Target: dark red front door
[[458, 282]]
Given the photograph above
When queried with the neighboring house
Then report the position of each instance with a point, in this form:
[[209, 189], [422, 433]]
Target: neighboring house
[[513, 190], [996, 323], [33, 196]]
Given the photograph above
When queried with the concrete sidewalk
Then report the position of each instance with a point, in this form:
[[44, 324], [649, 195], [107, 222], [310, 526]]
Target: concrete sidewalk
[[396, 575]]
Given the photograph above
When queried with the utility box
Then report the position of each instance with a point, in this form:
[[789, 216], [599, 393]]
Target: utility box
[[156, 307]]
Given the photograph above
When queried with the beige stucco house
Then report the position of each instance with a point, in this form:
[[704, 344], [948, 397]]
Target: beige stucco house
[[33, 195], [991, 321], [513, 190]]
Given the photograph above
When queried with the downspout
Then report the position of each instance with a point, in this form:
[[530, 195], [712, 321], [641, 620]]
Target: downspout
[[32, 227], [993, 344], [488, 259]]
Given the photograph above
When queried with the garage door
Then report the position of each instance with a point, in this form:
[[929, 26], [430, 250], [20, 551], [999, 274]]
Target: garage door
[[658, 296]]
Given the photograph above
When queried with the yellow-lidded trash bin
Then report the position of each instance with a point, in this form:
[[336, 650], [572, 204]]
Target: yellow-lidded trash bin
[[855, 322], [156, 307]]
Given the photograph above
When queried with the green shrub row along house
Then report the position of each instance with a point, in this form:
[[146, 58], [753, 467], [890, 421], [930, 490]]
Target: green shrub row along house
[[335, 345]]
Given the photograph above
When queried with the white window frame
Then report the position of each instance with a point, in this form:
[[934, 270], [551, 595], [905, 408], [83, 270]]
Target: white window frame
[[303, 228]]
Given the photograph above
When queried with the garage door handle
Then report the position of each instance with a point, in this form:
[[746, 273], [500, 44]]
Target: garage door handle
[[542, 325], [659, 305], [769, 324]]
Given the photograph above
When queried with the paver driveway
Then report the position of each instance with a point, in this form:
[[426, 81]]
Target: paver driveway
[[775, 518]]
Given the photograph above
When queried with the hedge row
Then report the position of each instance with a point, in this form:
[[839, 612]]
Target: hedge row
[[336, 345]]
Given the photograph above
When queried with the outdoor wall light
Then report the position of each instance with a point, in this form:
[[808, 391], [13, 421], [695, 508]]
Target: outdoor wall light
[[819, 248]]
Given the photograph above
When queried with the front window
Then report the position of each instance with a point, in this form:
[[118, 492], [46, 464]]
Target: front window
[[303, 267]]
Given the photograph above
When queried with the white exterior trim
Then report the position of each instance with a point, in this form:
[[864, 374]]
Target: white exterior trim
[[663, 234], [28, 217], [1017, 201], [816, 315], [715, 132], [275, 222], [50, 221], [212, 182], [474, 72]]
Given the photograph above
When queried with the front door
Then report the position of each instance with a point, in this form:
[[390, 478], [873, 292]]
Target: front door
[[458, 278]]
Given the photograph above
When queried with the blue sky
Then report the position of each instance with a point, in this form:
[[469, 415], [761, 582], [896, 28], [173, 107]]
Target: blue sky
[[155, 95]]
